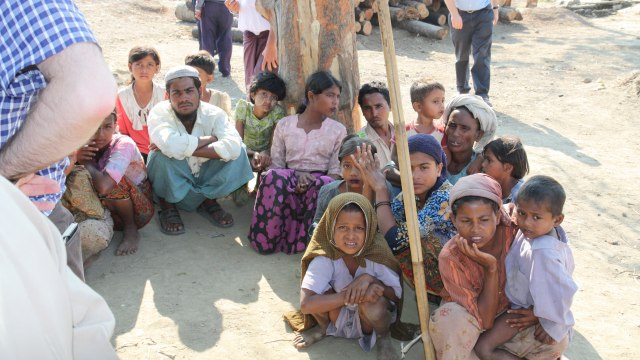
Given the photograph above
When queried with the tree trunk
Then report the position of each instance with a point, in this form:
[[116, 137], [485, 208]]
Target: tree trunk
[[184, 14], [236, 34], [435, 5], [509, 14], [368, 13], [419, 8], [365, 28], [359, 14], [422, 28], [397, 14], [373, 4], [316, 35], [436, 18]]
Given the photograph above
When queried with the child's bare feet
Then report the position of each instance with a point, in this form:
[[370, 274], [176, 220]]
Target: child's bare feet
[[385, 349], [129, 244], [309, 337]]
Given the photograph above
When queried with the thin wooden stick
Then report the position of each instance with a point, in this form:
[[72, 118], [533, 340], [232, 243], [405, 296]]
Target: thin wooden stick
[[411, 213]]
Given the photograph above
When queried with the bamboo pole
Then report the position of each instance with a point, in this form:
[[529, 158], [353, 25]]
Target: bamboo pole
[[411, 213]]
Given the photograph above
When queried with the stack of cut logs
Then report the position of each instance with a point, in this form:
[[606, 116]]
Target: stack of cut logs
[[422, 17]]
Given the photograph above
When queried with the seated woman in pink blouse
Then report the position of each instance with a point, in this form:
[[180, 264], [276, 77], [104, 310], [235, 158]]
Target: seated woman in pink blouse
[[304, 154], [119, 177]]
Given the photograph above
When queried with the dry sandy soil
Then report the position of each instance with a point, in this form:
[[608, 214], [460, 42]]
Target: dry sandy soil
[[568, 86]]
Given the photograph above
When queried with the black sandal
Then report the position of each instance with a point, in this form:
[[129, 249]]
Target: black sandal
[[216, 214], [170, 216]]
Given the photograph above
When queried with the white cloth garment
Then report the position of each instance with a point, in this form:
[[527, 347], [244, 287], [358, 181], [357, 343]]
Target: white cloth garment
[[249, 19], [46, 311]]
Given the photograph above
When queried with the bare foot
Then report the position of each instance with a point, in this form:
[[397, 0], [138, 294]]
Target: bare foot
[[385, 349], [309, 337], [129, 244]]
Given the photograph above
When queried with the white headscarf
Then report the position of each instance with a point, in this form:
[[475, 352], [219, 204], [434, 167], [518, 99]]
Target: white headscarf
[[481, 111]]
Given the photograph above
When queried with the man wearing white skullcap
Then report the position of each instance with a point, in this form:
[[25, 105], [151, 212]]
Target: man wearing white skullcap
[[197, 155]]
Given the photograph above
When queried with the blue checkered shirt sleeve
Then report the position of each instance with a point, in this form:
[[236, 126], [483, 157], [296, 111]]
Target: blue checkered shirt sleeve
[[31, 32]]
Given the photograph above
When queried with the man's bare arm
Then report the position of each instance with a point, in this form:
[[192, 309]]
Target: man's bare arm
[[80, 93]]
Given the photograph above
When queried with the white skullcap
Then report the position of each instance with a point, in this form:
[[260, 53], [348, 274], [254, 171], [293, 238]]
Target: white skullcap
[[181, 71]]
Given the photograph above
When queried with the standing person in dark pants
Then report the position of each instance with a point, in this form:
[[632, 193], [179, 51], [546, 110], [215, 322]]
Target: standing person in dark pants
[[215, 31], [472, 24]]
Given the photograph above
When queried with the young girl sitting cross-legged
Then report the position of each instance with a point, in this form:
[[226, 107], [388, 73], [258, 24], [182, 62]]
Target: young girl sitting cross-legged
[[351, 281]]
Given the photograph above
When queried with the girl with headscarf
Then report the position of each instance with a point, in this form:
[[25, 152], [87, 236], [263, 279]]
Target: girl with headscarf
[[472, 266], [350, 279], [432, 197], [469, 125]]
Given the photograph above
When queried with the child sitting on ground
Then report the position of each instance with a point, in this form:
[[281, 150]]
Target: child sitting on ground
[[256, 120], [427, 99], [119, 178], [505, 160], [351, 281], [203, 62], [539, 267]]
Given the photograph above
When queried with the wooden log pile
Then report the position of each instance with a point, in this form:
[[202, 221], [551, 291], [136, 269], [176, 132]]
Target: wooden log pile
[[420, 17], [426, 18]]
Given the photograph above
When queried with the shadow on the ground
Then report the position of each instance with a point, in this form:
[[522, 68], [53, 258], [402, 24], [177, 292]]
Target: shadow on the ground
[[581, 349], [190, 280], [539, 135]]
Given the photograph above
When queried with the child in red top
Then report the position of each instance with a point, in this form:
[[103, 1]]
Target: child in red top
[[427, 99], [135, 101]]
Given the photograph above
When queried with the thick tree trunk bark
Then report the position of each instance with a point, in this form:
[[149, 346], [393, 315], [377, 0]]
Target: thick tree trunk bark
[[316, 35]]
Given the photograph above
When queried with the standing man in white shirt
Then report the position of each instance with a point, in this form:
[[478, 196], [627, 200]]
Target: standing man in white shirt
[[197, 154], [472, 24]]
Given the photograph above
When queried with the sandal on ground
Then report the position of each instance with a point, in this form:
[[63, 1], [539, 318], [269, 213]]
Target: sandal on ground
[[216, 215], [170, 216]]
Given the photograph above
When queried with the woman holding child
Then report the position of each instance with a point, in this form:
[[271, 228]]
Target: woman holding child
[[469, 125], [432, 197], [304, 156]]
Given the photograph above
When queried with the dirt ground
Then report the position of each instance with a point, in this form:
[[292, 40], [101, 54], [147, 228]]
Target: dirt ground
[[560, 82]]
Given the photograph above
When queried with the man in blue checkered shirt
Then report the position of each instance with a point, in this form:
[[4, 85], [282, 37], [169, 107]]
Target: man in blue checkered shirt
[[55, 89]]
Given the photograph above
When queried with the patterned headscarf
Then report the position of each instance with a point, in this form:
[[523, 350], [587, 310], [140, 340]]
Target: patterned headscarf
[[322, 243], [481, 111]]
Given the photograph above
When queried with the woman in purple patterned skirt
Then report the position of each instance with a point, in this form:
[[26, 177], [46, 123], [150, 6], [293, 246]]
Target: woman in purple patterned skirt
[[304, 154]]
